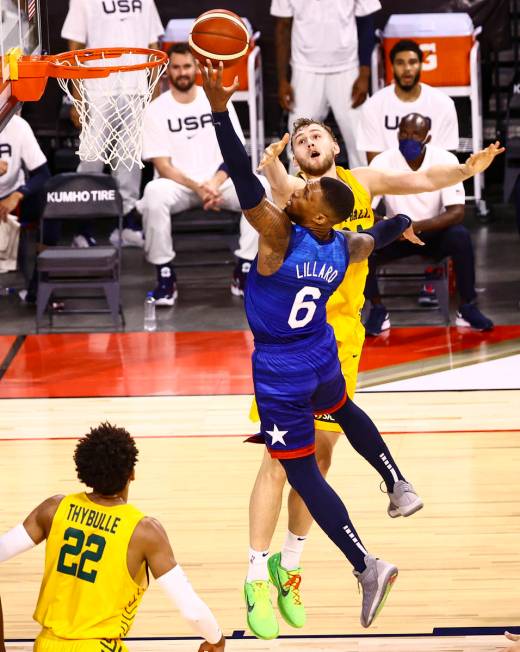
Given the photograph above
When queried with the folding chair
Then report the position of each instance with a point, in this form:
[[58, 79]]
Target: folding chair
[[73, 196]]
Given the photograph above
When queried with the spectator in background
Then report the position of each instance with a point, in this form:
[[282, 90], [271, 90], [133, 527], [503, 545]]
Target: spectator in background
[[382, 113], [179, 139], [109, 23], [437, 219], [23, 173], [330, 47]]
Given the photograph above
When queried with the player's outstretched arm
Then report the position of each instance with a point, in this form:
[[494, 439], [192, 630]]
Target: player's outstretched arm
[[150, 542], [384, 232], [282, 184], [271, 222], [387, 182]]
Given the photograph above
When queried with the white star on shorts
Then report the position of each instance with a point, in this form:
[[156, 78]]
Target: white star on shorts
[[277, 435]]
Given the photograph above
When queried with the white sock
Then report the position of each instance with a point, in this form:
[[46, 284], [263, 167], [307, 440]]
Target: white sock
[[257, 569], [292, 551]]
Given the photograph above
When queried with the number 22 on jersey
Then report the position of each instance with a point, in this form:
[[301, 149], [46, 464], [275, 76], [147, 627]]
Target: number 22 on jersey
[[89, 551]]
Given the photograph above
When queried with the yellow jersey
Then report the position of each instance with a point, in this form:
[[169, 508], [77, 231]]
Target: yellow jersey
[[87, 591], [344, 306]]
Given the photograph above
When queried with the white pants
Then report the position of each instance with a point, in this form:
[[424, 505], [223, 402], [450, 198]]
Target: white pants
[[316, 93], [163, 198], [129, 181]]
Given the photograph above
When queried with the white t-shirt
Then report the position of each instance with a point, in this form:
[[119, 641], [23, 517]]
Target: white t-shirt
[[324, 34], [19, 147], [114, 23], [425, 204], [185, 134], [381, 114]]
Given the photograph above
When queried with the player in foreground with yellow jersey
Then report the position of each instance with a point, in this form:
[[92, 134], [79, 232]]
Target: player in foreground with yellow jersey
[[315, 149], [98, 552]]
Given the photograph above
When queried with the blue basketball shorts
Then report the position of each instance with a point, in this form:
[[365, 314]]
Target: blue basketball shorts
[[293, 382]]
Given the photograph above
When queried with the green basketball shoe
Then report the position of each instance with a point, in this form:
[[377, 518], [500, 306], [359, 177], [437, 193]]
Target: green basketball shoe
[[287, 584], [261, 618]]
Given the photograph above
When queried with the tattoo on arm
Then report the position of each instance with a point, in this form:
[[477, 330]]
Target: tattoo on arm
[[274, 228], [360, 246], [270, 221]]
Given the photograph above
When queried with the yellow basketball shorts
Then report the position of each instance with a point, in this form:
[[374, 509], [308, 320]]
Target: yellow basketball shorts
[[47, 642], [349, 355]]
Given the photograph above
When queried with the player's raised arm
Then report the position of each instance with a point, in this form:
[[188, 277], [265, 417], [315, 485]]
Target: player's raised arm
[[282, 184], [386, 182], [150, 542], [271, 222]]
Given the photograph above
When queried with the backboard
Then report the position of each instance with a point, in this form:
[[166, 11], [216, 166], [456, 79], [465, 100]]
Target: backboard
[[20, 27]]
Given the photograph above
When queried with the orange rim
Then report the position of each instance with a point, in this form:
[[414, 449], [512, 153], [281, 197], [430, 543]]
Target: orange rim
[[72, 64], [34, 70]]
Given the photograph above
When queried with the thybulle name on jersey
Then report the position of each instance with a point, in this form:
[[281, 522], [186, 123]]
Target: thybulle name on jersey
[[312, 269], [93, 518]]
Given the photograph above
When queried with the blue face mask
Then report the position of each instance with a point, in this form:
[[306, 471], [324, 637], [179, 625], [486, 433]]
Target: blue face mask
[[410, 149]]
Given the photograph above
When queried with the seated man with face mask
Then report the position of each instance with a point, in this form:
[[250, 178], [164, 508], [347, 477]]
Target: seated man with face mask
[[437, 217]]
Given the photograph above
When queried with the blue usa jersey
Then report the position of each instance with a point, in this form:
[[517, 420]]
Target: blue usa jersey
[[289, 306]]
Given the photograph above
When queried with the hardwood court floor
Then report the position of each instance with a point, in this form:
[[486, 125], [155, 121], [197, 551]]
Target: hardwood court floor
[[412, 644], [459, 558], [185, 363]]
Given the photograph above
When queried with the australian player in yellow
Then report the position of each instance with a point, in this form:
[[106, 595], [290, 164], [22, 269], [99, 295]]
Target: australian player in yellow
[[315, 149], [98, 552]]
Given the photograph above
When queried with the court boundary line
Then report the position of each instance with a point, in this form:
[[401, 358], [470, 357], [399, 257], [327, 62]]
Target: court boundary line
[[245, 435], [11, 354], [239, 634]]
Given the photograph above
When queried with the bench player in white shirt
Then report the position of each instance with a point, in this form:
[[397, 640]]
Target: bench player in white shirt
[[330, 47], [381, 113], [437, 219], [179, 139], [114, 23], [23, 173]]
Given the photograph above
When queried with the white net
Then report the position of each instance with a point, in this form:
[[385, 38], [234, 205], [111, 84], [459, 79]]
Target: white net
[[110, 109]]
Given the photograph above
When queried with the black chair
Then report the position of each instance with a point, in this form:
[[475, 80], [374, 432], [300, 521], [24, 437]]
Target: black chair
[[510, 135], [214, 231], [72, 196]]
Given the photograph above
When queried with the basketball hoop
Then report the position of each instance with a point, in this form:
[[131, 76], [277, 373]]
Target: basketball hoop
[[109, 88]]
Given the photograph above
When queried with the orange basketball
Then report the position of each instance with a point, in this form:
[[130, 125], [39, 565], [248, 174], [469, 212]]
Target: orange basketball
[[219, 35]]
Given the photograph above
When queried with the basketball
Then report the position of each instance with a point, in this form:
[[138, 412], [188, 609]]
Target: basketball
[[219, 35]]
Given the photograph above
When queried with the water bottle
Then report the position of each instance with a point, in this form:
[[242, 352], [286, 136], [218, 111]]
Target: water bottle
[[150, 322]]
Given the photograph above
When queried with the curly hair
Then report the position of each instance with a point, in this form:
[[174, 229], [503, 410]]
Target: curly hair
[[305, 122], [105, 458]]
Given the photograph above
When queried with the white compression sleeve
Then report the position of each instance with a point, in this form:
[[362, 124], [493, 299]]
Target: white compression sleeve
[[14, 542], [197, 613]]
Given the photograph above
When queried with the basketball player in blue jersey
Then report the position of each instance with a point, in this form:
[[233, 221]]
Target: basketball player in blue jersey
[[296, 371]]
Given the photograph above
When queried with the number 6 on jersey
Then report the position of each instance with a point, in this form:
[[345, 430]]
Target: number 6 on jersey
[[301, 303]]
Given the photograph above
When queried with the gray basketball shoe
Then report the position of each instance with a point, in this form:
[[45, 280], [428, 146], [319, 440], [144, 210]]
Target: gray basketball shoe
[[404, 500], [375, 581]]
